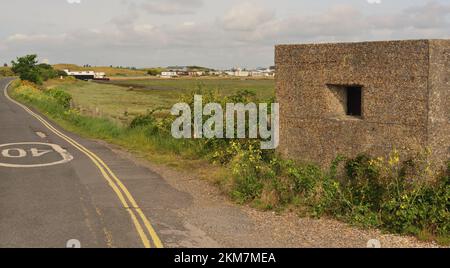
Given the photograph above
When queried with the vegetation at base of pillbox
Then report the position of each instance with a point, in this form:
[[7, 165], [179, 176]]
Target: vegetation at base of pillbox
[[400, 196], [365, 191], [28, 69]]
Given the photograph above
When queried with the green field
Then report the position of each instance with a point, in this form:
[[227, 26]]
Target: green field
[[115, 99]]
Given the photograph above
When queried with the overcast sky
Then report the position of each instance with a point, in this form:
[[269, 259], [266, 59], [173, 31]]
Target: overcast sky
[[213, 33]]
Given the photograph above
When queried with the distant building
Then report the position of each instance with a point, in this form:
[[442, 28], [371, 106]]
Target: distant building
[[257, 73], [100, 75], [177, 69], [182, 73], [196, 73], [86, 75], [238, 72], [216, 73], [170, 74], [263, 72]]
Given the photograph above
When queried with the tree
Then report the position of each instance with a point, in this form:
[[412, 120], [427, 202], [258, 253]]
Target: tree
[[46, 71], [5, 65], [61, 73], [153, 72], [26, 68]]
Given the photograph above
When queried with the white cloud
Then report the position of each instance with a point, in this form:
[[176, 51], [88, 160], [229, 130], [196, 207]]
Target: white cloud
[[144, 28], [35, 38], [374, 2], [246, 16], [188, 24], [340, 23], [432, 15], [173, 7], [74, 1], [337, 22], [18, 38]]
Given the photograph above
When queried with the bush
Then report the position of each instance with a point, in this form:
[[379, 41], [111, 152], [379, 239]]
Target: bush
[[143, 121], [154, 71], [46, 72], [60, 73], [60, 96], [425, 207], [374, 192], [247, 167], [362, 181]]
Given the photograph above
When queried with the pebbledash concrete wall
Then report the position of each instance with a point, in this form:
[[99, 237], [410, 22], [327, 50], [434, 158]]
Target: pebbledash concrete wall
[[405, 99]]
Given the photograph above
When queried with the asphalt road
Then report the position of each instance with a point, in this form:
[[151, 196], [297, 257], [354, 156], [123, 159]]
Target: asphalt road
[[56, 187]]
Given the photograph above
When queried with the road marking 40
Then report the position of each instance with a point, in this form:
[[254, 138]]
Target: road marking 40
[[22, 153]]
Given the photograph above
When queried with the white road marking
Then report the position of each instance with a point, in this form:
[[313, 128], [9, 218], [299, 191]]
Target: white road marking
[[73, 243], [7, 153], [66, 157], [41, 135], [38, 153]]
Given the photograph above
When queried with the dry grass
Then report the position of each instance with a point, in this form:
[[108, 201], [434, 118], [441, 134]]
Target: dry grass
[[110, 71], [6, 71]]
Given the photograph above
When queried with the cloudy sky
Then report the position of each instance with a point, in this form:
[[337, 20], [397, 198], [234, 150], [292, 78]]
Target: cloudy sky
[[214, 33]]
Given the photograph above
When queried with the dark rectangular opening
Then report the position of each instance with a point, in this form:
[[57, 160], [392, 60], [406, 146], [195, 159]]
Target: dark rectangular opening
[[354, 101]]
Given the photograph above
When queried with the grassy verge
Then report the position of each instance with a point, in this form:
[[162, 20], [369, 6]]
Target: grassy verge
[[403, 197]]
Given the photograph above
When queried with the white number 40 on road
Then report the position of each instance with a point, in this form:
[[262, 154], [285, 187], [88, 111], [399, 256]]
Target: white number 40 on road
[[20, 153], [22, 150]]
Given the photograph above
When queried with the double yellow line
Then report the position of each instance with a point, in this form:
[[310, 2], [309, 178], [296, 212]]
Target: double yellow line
[[125, 197]]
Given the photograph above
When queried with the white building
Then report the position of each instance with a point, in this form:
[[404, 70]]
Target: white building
[[169, 74], [256, 73], [196, 73], [238, 72], [86, 75], [216, 73]]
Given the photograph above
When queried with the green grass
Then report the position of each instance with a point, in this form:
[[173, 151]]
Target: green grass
[[115, 101]]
